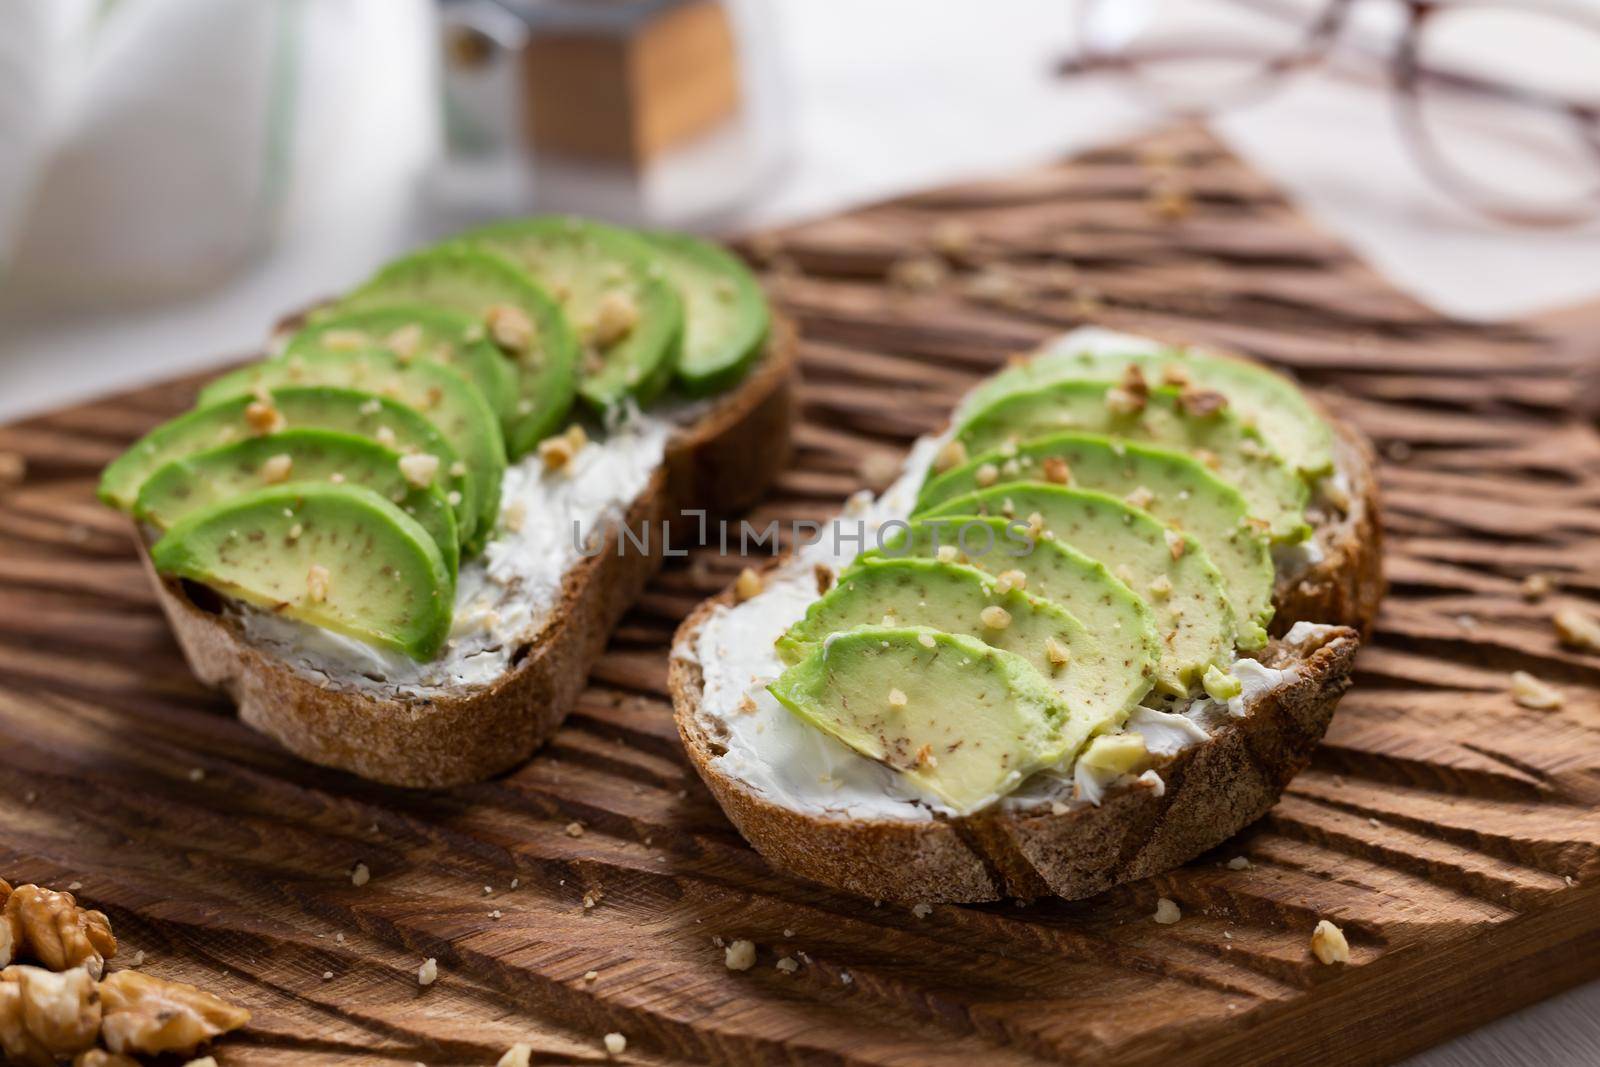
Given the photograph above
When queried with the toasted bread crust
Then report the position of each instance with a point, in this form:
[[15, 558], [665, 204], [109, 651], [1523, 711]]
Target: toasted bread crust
[[723, 462], [1211, 790]]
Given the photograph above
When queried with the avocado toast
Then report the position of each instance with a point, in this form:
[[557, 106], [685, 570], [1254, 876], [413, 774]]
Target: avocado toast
[[396, 542], [927, 762]]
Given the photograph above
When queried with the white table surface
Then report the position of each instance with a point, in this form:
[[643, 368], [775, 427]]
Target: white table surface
[[892, 96]]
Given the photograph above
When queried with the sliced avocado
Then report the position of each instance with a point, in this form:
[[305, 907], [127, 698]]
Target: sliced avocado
[[1274, 403], [963, 720], [413, 331], [337, 556], [1194, 619], [725, 316], [435, 391], [1237, 453], [522, 319], [202, 479], [1054, 572], [310, 407], [613, 287], [1178, 490], [1090, 674]]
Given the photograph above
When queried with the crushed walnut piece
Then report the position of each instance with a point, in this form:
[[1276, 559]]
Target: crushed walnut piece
[[952, 455], [1201, 402], [986, 475], [1006, 581], [995, 617], [318, 580], [615, 1044], [614, 318], [897, 698], [1057, 653], [46, 1016], [1167, 912], [1537, 586], [405, 342], [1531, 692], [509, 327], [419, 469], [1141, 497], [952, 238], [918, 274], [992, 285], [748, 584], [277, 468], [824, 576], [1129, 396], [1169, 200], [344, 340], [151, 1015], [1175, 543], [99, 1057], [13, 468], [740, 955], [1328, 943], [1577, 629], [52, 929], [926, 640], [1056, 471], [263, 418]]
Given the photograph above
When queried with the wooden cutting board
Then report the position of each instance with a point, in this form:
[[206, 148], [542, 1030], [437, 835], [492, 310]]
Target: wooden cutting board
[[1453, 835]]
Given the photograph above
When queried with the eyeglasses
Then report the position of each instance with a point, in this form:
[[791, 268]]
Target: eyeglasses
[[1500, 100]]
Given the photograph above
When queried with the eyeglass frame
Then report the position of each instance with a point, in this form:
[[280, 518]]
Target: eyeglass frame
[[1405, 72]]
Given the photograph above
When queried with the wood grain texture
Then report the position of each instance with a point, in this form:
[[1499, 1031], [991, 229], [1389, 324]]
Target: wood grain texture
[[1451, 833]]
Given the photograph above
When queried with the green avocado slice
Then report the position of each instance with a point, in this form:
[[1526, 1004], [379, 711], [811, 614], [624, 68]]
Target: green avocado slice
[[413, 331], [1089, 674], [965, 721], [435, 391], [311, 407], [1178, 490], [725, 312], [1187, 596], [1237, 453], [613, 287], [1055, 572], [1273, 402], [519, 316], [336, 556], [202, 479]]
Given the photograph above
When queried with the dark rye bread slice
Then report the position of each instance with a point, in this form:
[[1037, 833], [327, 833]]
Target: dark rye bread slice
[[721, 462], [1212, 790]]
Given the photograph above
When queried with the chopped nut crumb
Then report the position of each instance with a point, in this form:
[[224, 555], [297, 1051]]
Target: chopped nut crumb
[[918, 274], [277, 468], [986, 475], [740, 955], [1530, 692], [1170, 201], [509, 327], [419, 470], [591, 976], [149, 1015], [13, 469], [787, 965], [574, 829], [1577, 629], [1537, 586], [994, 286], [995, 617], [1175, 543], [926, 640], [99, 1057], [922, 911], [1167, 912], [592, 898], [318, 580], [1057, 653], [614, 318], [263, 418], [1328, 943], [1056, 471], [360, 875], [952, 238], [1141, 497], [428, 973], [515, 515], [897, 699], [953, 454], [748, 584], [405, 341], [947, 553], [518, 1055], [1201, 402], [615, 1044], [1240, 863], [1161, 586], [824, 576]]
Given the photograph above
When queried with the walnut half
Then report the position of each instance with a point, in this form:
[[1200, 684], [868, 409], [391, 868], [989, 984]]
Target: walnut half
[[45, 1016], [148, 1015], [50, 928], [99, 1057]]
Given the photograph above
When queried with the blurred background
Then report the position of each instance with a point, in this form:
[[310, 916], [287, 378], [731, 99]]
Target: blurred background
[[176, 174]]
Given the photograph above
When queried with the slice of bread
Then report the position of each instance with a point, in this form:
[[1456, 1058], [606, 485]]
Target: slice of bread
[[721, 461], [1198, 798]]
